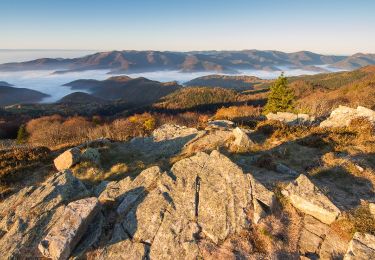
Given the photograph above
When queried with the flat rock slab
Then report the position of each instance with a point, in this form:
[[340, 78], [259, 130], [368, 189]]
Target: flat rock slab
[[66, 233], [306, 197]]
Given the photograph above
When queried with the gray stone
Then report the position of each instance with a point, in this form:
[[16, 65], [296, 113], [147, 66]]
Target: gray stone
[[242, 140], [220, 124], [115, 191], [264, 200], [66, 233], [342, 116], [306, 197], [169, 131], [67, 159], [27, 213], [201, 196], [92, 155], [333, 246], [362, 246], [290, 118]]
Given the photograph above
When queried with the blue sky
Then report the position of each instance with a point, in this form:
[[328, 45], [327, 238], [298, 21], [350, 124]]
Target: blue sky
[[329, 26]]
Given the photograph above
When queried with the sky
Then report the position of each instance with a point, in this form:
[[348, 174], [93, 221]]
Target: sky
[[323, 26]]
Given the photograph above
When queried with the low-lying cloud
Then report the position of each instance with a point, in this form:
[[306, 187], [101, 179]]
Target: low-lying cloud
[[51, 84]]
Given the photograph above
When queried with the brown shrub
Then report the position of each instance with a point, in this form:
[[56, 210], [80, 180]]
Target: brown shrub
[[54, 131], [191, 119], [238, 112]]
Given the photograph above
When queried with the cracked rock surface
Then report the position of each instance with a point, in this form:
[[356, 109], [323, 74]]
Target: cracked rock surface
[[203, 197]]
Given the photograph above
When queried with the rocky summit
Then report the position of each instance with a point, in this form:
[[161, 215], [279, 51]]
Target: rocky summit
[[200, 194]]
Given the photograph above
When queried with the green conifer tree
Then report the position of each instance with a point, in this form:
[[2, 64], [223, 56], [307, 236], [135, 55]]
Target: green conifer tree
[[21, 135], [281, 97]]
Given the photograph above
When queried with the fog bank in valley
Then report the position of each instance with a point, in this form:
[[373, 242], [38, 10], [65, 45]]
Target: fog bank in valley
[[47, 82]]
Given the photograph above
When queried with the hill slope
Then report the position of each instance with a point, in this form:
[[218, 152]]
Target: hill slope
[[138, 91], [239, 83], [80, 98], [320, 93], [10, 95]]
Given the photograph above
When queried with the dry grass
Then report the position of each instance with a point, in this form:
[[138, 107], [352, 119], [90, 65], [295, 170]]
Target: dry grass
[[238, 113], [362, 219], [56, 132]]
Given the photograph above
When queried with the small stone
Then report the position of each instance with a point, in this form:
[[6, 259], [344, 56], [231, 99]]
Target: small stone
[[67, 159], [242, 140]]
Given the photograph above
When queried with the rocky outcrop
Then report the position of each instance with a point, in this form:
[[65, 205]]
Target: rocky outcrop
[[67, 159], [203, 197], [72, 224], [168, 132], [342, 116], [26, 216], [116, 191], [362, 246], [290, 118], [306, 197]]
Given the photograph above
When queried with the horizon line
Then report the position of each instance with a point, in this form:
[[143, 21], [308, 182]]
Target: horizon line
[[182, 51]]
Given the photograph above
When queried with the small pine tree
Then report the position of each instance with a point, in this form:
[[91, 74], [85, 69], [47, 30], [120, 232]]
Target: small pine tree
[[21, 135], [281, 97]]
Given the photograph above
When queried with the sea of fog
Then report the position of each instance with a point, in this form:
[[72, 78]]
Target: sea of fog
[[46, 82]]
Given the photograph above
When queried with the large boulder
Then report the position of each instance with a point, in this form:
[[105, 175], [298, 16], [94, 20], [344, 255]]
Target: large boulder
[[28, 214], [67, 159], [203, 197], [342, 116], [306, 197], [72, 224], [362, 246], [291, 118]]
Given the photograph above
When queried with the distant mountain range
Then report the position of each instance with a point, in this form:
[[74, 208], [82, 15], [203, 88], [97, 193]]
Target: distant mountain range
[[119, 62]]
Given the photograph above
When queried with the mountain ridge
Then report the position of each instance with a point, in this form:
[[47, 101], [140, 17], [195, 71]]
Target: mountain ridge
[[119, 62]]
